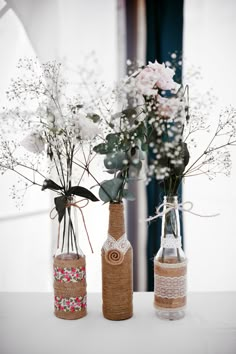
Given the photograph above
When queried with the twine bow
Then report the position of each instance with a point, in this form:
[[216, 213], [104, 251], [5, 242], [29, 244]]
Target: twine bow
[[68, 205], [180, 206]]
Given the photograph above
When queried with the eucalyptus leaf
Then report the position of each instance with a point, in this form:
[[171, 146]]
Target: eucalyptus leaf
[[129, 112], [102, 149], [128, 195], [113, 139], [109, 190], [116, 160]]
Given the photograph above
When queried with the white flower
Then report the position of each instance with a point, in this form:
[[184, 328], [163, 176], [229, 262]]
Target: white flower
[[87, 129], [155, 77], [34, 142]]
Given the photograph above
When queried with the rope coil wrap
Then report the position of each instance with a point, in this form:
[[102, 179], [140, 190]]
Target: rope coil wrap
[[117, 271], [170, 285], [70, 288]]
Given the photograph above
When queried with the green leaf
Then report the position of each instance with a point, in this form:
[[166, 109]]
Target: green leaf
[[115, 161], [82, 192], [129, 112], [113, 138], [102, 149], [50, 184], [128, 195], [94, 117], [109, 190]]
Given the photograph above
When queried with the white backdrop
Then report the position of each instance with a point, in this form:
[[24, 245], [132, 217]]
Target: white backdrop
[[209, 43]]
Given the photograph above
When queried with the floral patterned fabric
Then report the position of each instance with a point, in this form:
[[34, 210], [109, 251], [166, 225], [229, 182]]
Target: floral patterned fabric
[[70, 304], [67, 275]]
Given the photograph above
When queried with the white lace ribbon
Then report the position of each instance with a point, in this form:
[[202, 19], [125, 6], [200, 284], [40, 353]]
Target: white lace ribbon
[[170, 287], [122, 244], [170, 242], [179, 206]]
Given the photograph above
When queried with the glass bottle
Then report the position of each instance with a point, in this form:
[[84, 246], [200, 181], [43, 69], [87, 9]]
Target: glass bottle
[[170, 266]]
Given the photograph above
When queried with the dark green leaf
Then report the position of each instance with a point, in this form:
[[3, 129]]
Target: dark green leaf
[[129, 112], [113, 138], [94, 117], [49, 184], [60, 204], [185, 154], [102, 149], [82, 192]]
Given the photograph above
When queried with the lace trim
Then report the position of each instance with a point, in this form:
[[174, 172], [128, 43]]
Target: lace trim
[[171, 242], [170, 287], [71, 304], [122, 244], [115, 250]]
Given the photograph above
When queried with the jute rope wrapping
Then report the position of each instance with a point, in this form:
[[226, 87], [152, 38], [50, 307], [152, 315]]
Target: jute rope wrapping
[[177, 273], [70, 292], [117, 272]]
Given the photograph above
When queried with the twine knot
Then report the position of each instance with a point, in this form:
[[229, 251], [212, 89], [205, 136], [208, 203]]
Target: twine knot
[[178, 206]]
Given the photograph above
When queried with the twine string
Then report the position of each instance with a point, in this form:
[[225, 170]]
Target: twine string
[[79, 207], [181, 207]]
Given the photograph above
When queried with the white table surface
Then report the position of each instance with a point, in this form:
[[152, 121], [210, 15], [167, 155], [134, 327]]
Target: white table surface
[[28, 326]]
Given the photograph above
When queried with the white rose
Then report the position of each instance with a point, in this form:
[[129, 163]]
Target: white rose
[[155, 77], [87, 128], [34, 142]]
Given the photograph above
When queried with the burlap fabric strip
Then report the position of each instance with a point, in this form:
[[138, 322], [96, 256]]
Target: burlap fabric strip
[[70, 288], [117, 269], [170, 285]]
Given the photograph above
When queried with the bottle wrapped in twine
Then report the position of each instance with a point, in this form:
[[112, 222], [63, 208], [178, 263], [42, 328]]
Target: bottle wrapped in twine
[[70, 297], [117, 268]]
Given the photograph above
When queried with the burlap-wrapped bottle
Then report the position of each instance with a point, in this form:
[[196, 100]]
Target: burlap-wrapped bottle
[[117, 268]]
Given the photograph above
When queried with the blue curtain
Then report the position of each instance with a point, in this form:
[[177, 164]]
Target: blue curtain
[[164, 20]]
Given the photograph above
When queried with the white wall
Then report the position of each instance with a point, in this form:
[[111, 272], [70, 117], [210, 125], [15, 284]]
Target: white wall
[[209, 43]]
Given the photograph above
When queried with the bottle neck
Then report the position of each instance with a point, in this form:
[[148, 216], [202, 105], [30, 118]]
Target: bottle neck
[[116, 220], [170, 220]]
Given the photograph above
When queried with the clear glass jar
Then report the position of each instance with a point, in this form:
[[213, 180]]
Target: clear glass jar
[[170, 266]]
